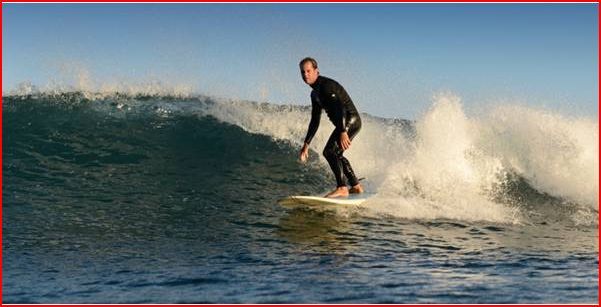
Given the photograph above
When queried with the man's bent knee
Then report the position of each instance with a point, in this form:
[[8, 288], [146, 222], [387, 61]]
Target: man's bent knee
[[332, 152]]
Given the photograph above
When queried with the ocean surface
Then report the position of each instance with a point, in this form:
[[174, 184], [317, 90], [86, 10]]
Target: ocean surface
[[122, 198]]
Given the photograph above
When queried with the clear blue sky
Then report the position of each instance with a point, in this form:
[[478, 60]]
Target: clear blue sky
[[391, 58]]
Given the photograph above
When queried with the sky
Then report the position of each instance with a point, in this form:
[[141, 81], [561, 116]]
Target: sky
[[391, 58]]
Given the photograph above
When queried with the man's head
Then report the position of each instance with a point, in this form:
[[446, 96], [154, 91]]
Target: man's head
[[309, 70]]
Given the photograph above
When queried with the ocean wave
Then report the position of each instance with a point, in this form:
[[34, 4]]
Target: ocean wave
[[497, 166]]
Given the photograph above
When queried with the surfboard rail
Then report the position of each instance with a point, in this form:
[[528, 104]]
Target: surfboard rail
[[304, 200]]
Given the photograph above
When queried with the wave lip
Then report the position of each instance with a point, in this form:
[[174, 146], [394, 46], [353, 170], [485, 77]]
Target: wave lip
[[107, 91]]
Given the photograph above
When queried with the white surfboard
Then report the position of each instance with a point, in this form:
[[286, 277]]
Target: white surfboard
[[323, 202]]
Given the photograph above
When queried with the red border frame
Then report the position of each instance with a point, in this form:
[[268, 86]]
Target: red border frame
[[288, 1]]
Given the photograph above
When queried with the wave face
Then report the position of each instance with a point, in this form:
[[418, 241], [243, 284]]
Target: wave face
[[508, 165]]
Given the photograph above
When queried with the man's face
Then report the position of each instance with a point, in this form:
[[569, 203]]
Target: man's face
[[309, 73]]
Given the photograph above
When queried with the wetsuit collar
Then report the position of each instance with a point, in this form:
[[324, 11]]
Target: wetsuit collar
[[317, 82]]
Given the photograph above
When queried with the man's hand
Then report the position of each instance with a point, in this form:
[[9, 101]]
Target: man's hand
[[345, 141], [304, 153]]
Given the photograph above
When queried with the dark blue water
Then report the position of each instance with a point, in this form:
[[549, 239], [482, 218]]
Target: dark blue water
[[118, 201]]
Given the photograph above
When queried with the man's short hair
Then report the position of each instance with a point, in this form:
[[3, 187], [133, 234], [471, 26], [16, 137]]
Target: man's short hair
[[308, 59]]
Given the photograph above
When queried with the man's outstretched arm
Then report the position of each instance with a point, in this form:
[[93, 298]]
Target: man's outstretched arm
[[313, 126]]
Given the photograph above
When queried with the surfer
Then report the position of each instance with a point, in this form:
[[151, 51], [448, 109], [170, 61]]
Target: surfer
[[330, 96]]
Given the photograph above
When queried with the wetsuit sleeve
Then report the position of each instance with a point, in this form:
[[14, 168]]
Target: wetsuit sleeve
[[315, 118]]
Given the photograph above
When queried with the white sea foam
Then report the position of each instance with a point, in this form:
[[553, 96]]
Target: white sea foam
[[447, 175], [557, 154]]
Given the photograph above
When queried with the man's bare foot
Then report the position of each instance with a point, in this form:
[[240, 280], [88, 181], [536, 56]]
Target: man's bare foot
[[358, 189], [339, 192]]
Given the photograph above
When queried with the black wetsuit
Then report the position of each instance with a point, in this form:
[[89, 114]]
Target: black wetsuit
[[328, 95]]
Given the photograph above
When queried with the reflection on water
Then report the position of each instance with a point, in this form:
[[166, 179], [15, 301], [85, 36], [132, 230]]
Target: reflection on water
[[318, 231]]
